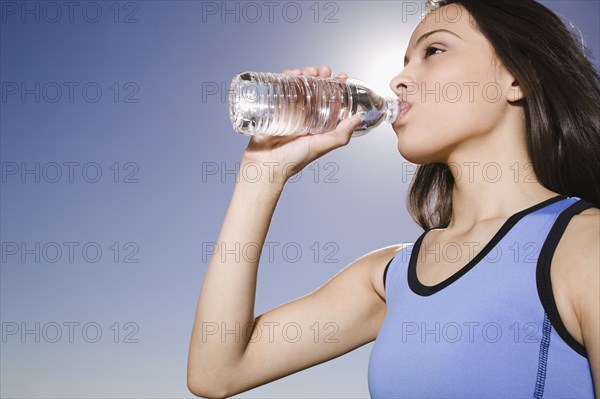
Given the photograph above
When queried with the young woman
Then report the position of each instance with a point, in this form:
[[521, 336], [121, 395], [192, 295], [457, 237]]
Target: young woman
[[499, 297]]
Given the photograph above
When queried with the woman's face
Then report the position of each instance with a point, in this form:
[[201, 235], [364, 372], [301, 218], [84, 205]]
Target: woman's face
[[457, 92]]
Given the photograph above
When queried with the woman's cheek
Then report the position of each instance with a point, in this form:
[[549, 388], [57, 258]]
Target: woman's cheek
[[428, 138], [472, 113], [425, 140]]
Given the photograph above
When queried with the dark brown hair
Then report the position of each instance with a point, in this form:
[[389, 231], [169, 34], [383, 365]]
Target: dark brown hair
[[562, 94]]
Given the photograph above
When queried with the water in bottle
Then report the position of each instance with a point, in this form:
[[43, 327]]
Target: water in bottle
[[277, 104]]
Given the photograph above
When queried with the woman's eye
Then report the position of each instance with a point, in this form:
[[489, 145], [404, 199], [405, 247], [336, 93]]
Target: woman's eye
[[430, 51]]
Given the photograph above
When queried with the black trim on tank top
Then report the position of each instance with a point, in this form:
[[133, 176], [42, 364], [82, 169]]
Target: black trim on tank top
[[386, 270], [542, 273], [425, 290]]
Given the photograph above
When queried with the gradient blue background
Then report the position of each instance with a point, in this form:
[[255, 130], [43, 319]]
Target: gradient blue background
[[167, 58]]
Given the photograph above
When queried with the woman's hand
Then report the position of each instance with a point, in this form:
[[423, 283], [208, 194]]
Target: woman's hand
[[288, 155]]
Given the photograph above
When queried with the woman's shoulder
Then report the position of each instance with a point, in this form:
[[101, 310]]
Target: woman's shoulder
[[584, 290], [579, 245], [380, 259], [575, 268], [590, 211], [584, 228]]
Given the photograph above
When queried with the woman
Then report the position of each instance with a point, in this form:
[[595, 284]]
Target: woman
[[505, 126]]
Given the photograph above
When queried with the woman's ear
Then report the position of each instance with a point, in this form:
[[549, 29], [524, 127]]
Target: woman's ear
[[515, 92]]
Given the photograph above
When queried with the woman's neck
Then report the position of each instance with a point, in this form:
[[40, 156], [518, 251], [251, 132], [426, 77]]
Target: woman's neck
[[493, 178]]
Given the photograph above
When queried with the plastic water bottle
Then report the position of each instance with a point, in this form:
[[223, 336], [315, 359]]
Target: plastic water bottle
[[277, 104]]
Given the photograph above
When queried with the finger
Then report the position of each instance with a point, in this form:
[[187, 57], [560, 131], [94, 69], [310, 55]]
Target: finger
[[342, 77], [310, 71], [347, 126], [340, 136], [324, 71], [287, 70], [296, 72]]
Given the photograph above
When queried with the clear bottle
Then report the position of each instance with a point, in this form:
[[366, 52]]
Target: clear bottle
[[277, 104]]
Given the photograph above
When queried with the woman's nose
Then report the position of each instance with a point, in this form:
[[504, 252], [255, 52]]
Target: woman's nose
[[401, 83]]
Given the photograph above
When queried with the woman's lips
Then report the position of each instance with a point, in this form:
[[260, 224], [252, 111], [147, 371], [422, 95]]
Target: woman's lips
[[405, 107]]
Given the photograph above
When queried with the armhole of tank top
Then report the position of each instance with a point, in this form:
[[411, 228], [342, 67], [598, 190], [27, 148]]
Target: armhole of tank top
[[386, 270], [543, 281]]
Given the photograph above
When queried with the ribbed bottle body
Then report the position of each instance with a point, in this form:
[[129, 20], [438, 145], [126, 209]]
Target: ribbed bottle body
[[276, 104]]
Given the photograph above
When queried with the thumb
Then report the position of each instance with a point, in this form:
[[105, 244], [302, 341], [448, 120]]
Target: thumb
[[343, 131], [338, 137]]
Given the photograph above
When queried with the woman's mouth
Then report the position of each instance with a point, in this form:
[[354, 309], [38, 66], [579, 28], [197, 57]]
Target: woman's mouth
[[405, 107]]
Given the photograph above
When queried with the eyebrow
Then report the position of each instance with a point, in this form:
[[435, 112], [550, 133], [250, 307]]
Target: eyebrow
[[426, 35]]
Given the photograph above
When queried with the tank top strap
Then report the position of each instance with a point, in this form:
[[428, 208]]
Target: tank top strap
[[492, 325], [532, 224], [543, 281], [395, 268]]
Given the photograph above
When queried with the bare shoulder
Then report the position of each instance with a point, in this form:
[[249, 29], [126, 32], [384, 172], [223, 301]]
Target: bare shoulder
[[588, 216], [583, 243], [582, 237], [576, 266], [578, 249], [377, 261]]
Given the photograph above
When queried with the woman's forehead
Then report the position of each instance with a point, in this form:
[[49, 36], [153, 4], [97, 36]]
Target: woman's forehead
[[452, 17]]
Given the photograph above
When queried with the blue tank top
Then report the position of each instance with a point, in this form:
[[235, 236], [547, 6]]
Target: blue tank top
[[491, 330]]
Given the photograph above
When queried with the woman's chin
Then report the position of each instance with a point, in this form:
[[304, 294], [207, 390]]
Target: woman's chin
[[417, 154]]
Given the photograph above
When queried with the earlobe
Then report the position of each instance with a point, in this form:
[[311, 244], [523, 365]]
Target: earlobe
[[515, 92]]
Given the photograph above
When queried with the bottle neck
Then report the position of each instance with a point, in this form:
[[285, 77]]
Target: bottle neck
[[392, 109]]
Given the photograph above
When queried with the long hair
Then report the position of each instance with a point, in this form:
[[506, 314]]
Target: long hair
[[562, 94]]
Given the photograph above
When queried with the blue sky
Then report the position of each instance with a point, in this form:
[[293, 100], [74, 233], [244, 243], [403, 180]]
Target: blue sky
[[117, 156]]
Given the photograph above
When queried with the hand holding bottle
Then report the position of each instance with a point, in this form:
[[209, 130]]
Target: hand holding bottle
[[287, 155]]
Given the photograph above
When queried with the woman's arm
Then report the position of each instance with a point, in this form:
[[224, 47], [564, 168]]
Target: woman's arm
[[223, 355], [576, 268], [228, 290], [586, 257], [340, 316]]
